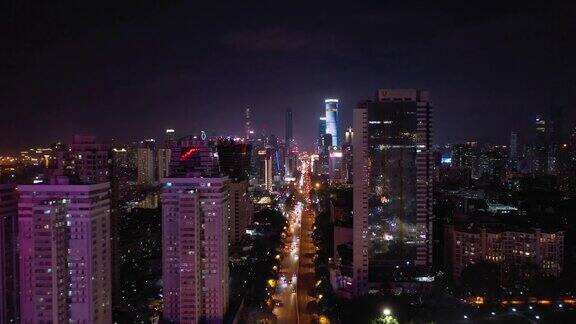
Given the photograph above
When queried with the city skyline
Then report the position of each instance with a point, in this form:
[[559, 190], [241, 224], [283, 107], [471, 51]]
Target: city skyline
[[287, 163]]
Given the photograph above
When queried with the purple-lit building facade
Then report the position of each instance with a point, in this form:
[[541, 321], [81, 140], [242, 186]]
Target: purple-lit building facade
[[8, 254], [65, 253], [195, 213]]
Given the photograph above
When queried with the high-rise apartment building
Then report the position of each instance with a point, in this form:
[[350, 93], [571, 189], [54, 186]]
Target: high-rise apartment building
[[241, 211], [145, 166], [92, 160], [122, 171], [170, 140], [234, 160], [347, 155], [9, 303], [65, 253], [332, 123], [540, 162], [163, 161], [512, 249], [266, 175], [86, 160], [195, 214], [392, 170]]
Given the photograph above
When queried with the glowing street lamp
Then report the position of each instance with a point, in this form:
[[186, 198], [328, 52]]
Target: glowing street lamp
[[387, 312]]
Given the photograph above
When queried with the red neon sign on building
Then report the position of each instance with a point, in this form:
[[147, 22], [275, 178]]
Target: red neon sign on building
[[186, 155]]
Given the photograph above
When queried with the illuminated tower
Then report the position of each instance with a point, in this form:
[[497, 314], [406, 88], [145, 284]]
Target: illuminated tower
[[266, 174], [332, 123], [248, 126]]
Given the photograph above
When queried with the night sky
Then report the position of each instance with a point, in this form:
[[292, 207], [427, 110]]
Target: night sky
[[131, 70]]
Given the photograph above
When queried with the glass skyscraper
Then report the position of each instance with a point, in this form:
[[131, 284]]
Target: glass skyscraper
[[392, 187], [332, 123]]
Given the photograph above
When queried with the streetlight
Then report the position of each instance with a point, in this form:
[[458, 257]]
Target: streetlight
[[387, 312]]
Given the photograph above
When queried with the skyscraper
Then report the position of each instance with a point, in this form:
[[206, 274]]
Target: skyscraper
[[332, 123], [194, 157], [164, 155], [247, 125], [322, 126], [145, 166], [234, 159], [347, 156], [195, 214], [266, 170], [541, 148], [289, 135], [392, 170], [241, 210], [9, 303], [170, 138], [290, 165], [513, 154], [163, 161], [335, 167], [65, 253], [321, 133]]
